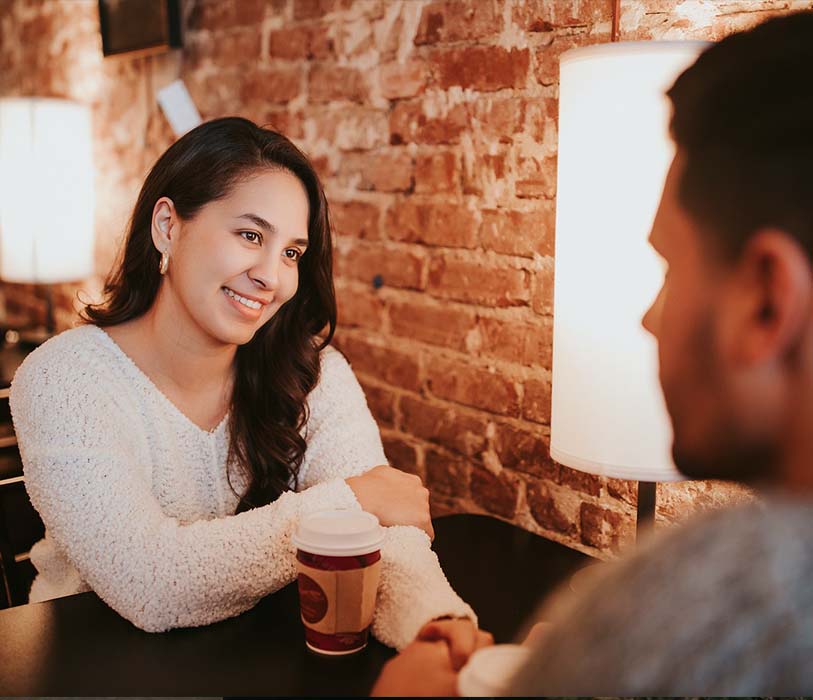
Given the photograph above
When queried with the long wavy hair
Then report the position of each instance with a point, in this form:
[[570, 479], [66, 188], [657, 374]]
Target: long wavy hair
[[276, 370]]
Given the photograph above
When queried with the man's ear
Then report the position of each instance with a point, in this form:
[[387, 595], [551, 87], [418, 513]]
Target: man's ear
[[164, 219], [768, 305]]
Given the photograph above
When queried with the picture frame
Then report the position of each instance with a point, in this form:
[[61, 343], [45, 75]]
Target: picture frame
[[139, 27]]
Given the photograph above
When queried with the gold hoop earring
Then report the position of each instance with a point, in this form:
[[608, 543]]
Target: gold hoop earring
[[164, 265]]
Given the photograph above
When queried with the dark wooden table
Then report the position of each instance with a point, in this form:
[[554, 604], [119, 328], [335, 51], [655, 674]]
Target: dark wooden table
[[78, 646]]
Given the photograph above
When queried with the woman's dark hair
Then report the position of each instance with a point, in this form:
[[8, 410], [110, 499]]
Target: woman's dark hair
[[278, 367], [743, 116]]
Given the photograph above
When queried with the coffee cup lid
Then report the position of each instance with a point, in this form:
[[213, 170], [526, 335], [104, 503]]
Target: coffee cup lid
[[339, 533], [489, 670]]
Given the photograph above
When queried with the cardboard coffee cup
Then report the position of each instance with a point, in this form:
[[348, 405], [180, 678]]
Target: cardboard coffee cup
[[338, 562], [489, 670]]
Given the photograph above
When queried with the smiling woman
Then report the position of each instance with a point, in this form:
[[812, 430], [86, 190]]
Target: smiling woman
[[172, 442]]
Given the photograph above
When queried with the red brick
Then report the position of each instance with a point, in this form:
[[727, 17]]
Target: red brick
[[351, 127], [402, 455], [485, 172], [290, 42], [397, 267], [536, 401], [538, 347], [728, 22], [623, 490], [499, 118], [437, 172], [280, 119], [309, 9], [409, 124], [546, 58], [431, 322], [545, 16], [447, 474], [214, 94], [546, 511], [386, 364], [300, 42], [496, 494], [389, 170], [432, 223], [456, 21], [272, 84], [399, 80], [445, 426], [218, 15], [519, 232], [472, 386], [323, 167], [330, 82], [359, 308], [381, 402], [524, 451], [536, 178], [238, 47], [542, 289], [356, 219], [580, 481], [542, 118], [524, 343], [484, 68], [604, 529], [478, 282]]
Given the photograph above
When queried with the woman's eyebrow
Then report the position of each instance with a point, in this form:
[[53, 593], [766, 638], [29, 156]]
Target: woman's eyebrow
[[269, 227], [259, 221]]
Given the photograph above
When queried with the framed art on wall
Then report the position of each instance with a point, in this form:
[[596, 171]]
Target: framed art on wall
[[143, 26]]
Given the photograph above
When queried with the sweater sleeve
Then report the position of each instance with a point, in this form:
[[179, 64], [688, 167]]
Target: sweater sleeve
[[84, 478], [343, 437]]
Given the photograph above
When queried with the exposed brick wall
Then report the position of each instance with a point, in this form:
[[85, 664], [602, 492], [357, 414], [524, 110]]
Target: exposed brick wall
[[433, 125]]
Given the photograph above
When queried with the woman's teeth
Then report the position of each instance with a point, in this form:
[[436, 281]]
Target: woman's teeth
[[245, 302]]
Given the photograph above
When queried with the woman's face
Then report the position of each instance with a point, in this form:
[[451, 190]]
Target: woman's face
[[236, 262]]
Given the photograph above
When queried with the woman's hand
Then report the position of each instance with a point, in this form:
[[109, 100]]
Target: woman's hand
[[394, 497], [461, 635]]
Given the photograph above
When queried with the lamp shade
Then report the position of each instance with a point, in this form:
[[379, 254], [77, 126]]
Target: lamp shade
[[607, 414], [46, 191]]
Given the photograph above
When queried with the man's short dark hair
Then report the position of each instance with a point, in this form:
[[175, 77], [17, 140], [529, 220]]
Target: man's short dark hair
[[743, 116]]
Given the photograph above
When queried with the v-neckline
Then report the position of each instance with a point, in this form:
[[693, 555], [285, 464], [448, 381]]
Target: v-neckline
[[152, 385]]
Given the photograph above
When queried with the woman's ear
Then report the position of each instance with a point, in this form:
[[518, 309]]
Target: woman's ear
[[164, 219], [770, 303]]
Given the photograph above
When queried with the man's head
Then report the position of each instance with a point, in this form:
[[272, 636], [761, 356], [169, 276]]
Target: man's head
[[734, 320]]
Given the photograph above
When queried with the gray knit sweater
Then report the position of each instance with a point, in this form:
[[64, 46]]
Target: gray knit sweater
[[723, 606]]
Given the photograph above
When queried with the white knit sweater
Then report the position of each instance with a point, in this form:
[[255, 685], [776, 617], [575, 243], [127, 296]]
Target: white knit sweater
[[137, 506]]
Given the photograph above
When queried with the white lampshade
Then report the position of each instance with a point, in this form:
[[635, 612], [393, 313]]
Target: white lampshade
[[608, 415], [46, 191]]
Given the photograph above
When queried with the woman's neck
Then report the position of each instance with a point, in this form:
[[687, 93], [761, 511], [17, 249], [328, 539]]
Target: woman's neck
[[178, 351]]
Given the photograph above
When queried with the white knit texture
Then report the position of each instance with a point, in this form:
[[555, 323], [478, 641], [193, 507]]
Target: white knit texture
[[138, 508]]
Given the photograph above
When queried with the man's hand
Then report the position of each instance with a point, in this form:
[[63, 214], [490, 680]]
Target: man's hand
[[462, 637], [537, 633], [422, 669]]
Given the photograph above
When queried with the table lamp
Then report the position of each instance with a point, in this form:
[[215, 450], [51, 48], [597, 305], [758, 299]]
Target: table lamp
[[608, 416], [46, 194]]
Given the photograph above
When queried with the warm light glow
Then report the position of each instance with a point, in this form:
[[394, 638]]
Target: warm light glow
[[46, 191], [608, 415]]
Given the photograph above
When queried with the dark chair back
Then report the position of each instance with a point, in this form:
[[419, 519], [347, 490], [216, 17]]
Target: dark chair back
[[20, 524]]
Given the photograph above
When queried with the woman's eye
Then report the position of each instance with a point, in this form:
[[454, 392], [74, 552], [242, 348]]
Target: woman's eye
[[293, 254], [251, 236]]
